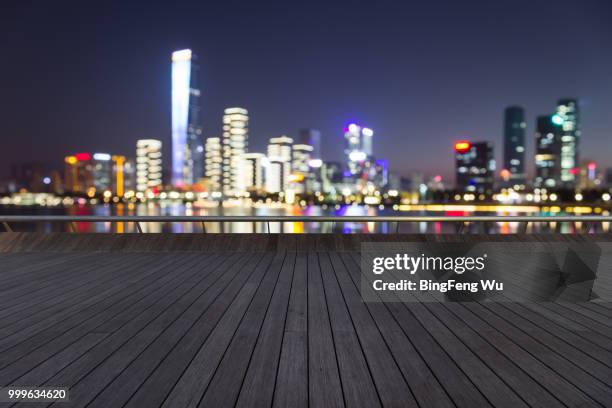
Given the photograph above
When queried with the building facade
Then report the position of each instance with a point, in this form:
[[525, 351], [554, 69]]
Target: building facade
[[235, 144], [253, 171], [475, 166], [148, 165], [279, 164], [514, 145], [214, 162], [187, 140], [567, 116], [547, 152]]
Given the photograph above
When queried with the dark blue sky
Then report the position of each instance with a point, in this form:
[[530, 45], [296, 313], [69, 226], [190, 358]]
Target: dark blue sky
[[78, 77]]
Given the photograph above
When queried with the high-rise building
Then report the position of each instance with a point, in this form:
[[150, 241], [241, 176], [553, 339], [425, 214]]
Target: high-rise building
[[311, 137], [214, 162], [279, 164], [567, 116], [514, 144], [148, 164], [187, 144], [302, 174], [235, 144], [475, 166], [547, 152], [102, 172], [124, 175], [358, 142], [252, 171], [302, 153], [78, 174]]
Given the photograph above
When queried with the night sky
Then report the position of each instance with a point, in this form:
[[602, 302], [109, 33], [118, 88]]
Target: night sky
[[96, 77]]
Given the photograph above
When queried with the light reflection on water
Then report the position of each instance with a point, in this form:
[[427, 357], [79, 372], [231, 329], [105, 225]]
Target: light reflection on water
[[168, 209]]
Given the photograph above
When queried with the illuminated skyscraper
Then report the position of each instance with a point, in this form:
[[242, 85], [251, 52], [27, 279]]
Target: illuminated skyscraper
[[214, 162], [187, 144], [475, 166], [279, 164], [79, 175], [548, 152], [124, 175], [102, 172], [235, 144], [514, 144], [252, 170], [568, 117], [302, 174], [358, 142], [148, 164]]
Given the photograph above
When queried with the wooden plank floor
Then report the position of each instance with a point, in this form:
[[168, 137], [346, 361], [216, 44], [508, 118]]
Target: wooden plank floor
[[281, 326]]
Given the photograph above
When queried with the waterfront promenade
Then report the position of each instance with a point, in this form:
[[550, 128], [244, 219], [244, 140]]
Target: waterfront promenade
[[215, 320]]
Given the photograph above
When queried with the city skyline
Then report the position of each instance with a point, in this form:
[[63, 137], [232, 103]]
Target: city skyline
[[431, 115]]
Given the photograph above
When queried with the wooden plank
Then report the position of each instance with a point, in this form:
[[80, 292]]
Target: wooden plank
[[357, 382], [568, 351], [324, 386], [392, 387], [121, 327], [55, 343], [457, 384], [38, 305], [229, 377], [68, 314], [260, 378], [159, 384], [223, 387], [571, 373], [292, 376], [194, 379], [544, 375], [425, 386], [120, 376], [602, 353]]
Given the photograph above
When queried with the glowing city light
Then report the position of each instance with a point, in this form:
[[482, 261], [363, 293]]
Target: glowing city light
[[353, 128], [367, 132], [557, 120], [82, 156], [462, 146], [357, 156], [315, 163], [181, 55], [102, 156]]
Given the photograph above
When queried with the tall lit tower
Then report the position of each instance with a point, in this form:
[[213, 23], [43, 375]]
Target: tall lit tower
[[214, 162], [148, 164], [568, 117], [358, 146], [187, 143], [279, 164], [475, 166], [514, 144], [548, 151], [235, 144]]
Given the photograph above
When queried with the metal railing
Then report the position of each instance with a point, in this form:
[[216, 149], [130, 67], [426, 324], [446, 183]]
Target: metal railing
[[590, 220]]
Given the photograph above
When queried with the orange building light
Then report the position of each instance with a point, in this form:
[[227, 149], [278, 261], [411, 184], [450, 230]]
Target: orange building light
[[462, 146]]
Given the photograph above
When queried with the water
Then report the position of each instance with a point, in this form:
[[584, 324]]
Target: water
[[179, 208]]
